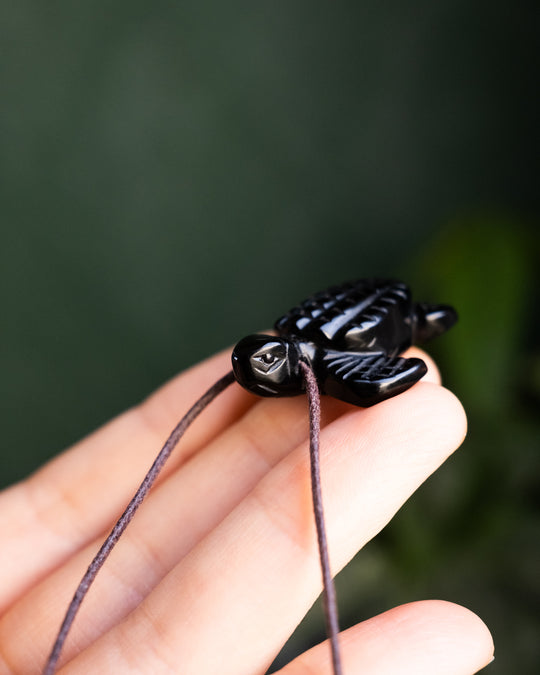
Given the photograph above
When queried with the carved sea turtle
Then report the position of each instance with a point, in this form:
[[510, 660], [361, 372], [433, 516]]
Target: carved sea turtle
[[352, 336]]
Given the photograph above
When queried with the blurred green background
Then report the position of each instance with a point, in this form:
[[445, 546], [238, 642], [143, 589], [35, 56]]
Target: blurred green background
[[176, 175]]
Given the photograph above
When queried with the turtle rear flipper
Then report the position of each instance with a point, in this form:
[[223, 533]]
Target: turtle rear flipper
[[431, 321], [366, 378]]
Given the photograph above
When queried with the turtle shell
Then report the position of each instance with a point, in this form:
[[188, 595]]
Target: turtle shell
[[366, 315]]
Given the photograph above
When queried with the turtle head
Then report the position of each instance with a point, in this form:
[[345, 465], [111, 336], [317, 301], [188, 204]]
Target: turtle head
[[267, 366]]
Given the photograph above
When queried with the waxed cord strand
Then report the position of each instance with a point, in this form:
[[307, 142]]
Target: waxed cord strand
[[329, 591], [128, 514]]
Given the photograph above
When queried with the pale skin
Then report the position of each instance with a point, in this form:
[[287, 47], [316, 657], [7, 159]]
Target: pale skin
[[220, 563]]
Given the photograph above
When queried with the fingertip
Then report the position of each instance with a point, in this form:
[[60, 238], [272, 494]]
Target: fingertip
[[427, 419], [451, 629], [433, 374], [419, 638], [447, 414]]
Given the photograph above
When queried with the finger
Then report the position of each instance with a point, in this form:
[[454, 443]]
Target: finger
[[74, 497], [420, 638], [254, 577], [433, 374]]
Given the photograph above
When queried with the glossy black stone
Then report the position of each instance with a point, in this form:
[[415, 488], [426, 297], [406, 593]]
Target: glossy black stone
[[352, 336]]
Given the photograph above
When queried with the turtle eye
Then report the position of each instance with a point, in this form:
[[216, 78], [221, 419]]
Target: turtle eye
[[269, 358], [264, 362]]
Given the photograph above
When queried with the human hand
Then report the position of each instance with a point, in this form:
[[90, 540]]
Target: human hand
[[220, 563]]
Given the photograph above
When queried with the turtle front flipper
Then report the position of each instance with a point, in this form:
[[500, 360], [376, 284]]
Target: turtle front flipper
[[366, 378]]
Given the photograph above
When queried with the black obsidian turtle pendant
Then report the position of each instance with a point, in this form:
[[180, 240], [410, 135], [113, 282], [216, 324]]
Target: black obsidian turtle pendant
[[351, 335], [344, 342]]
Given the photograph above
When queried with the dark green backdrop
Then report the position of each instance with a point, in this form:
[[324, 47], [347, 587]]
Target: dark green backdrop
[[175, 175]]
